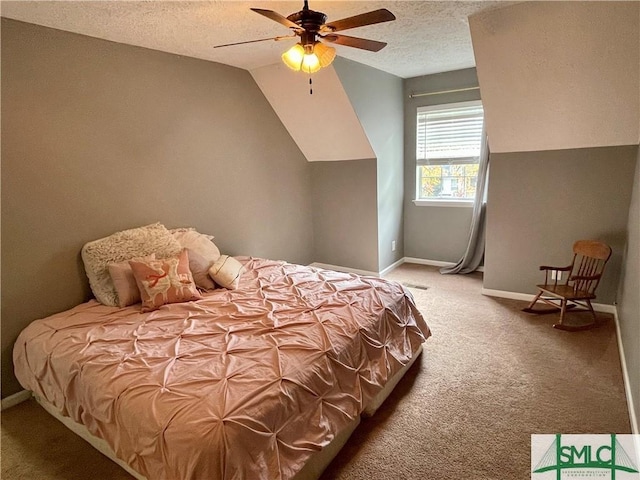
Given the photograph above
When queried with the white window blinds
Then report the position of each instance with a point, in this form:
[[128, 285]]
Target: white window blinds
[[449, 134]]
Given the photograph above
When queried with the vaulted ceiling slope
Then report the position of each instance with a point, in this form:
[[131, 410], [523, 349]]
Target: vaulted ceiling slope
[[324, 125], [559, 75]]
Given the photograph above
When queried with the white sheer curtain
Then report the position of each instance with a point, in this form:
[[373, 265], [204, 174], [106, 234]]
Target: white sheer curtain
[[474, 254]]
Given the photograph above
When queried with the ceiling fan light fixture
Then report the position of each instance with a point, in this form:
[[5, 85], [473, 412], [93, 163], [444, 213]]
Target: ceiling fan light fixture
[[310, 63], [300, 58], [324, 53], [293, 57], [309, 59]]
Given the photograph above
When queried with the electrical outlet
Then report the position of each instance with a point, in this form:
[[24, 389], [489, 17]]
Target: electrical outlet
[[553, 274], [558, 275], [393, 245]]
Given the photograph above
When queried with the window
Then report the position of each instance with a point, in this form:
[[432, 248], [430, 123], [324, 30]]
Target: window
[[448, 144]]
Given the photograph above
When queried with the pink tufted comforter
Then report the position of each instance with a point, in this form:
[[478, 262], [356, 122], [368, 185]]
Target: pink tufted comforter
[[243, 384]]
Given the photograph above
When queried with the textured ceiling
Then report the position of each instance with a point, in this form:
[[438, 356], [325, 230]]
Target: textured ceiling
[[427, 37]]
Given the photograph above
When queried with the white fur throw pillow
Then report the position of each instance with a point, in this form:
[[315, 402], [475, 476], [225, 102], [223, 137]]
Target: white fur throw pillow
[[121, 246], [226, 272], [202, 254]]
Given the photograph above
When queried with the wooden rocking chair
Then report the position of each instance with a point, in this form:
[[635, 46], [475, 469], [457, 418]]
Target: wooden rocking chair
[[583, 277]]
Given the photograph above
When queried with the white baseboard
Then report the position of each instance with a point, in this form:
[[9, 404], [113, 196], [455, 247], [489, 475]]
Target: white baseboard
[[392, 266], [15, 399], [527, 297], [434, 263], [625, 378], [339, 268], [505, 294], [424, 261], [418, 261]]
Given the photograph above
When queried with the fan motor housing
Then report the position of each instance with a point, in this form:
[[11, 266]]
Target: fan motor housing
[[310, 20]]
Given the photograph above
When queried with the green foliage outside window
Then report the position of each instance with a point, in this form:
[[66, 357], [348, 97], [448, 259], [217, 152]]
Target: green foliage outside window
[[448, 181]]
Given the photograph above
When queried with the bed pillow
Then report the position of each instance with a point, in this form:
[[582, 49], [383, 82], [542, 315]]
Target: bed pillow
[[124, 281], [226, 272], [121, 246], [164, 281], [202, 254]]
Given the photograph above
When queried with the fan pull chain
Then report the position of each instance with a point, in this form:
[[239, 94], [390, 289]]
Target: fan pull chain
[[310, 86]]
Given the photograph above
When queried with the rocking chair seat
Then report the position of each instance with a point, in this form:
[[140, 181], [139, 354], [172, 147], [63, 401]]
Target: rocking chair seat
[[566, 292]]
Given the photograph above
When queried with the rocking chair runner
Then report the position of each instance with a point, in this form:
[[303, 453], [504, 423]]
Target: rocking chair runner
[[583, 277]]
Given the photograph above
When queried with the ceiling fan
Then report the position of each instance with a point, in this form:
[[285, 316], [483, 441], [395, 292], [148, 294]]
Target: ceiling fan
[[310, 54]]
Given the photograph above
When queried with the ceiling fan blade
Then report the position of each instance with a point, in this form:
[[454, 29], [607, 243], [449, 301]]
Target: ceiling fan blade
[[370, 18], [363, 43], [276, 17], [254, 41]]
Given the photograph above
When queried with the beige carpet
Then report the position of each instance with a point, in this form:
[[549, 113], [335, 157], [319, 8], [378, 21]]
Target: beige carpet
[[489, 377]]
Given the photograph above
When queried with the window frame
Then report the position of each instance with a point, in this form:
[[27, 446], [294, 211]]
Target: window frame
[[439, 202]]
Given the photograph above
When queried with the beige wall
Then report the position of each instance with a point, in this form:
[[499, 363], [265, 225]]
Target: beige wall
[[433, 232], [376, 98], [99, 137], [344, 214], [629, 298], [539, 203]]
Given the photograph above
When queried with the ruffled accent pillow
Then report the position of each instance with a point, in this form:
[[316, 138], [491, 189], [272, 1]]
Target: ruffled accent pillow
[[164, 281], [202, 254], [125, 245], [226, 272], [124, 281]]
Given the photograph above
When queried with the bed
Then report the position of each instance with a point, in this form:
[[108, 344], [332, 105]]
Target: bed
[[263, 381]]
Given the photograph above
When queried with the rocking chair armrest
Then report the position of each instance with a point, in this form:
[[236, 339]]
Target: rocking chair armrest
[[561, 269], [585, 277]]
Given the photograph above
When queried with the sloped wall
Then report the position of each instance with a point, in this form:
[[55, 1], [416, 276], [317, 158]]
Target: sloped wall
[[323, 124], [559, 75]]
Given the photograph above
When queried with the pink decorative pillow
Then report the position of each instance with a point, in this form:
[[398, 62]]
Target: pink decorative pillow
[[168, 280], [124, 281]]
